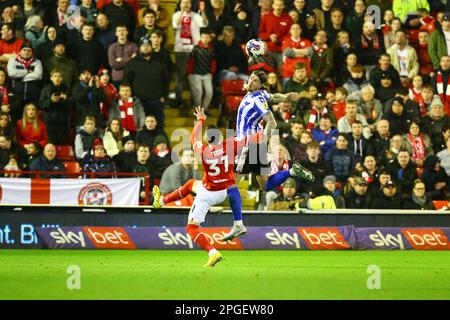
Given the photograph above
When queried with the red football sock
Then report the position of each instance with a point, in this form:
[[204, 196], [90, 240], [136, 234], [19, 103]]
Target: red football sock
[[198, 237], [179, 193]]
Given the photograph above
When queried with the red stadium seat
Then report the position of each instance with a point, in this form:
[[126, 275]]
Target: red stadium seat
[[65, 153], [72, 168], [233, 87], [439, 204], [232, 102], [185, 202]]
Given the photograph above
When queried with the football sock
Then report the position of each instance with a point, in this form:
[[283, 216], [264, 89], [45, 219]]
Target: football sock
[[212, 252], [198, 237], [276, 179], [179, 193], [235, 203]]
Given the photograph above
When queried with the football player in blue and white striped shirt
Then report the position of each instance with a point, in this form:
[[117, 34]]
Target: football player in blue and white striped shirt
[[253, 110]]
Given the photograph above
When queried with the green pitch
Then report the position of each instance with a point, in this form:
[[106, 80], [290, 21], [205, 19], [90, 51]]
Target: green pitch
[[42, 274]]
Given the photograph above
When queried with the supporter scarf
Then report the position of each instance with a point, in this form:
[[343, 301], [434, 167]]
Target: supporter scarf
[[25, 63], [127, 115], [186, 33], [4, 95], [61, 17], [417, 97], [418, 146], [313, 117], [319, 50], [161, 154], [365, 42], [440, 86]]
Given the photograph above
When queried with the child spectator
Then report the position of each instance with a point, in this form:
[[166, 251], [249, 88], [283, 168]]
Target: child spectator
[[357, 79], [415, 94], [204, 66], [425, 64], [338, 106], [329, 183], [110, 93], [85, 138], [112, 139], [160, 157], [98, 161], [30, 128]]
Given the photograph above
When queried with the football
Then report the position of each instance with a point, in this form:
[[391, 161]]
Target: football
[[255, 48]]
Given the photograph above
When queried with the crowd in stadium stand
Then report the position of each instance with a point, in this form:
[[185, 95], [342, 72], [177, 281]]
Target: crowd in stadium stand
[[372, 123]]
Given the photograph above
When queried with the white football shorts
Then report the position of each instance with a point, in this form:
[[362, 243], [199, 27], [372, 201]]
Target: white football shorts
[[204, 200]]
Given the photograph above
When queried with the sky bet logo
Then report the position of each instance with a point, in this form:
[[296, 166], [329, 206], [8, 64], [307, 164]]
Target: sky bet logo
[[26, 235]]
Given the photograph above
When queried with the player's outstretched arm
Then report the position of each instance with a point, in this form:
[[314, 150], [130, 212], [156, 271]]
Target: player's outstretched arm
[[271, 124], [282, 97], [196, 137]]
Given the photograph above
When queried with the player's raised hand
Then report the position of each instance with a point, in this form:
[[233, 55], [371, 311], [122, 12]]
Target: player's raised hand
[[199, 113], [293, 96]]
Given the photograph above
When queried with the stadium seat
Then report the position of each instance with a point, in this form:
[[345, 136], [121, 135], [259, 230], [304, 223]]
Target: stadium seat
[[72, 167], [233, 87], [65, 153], [232, 102], [440, 204]]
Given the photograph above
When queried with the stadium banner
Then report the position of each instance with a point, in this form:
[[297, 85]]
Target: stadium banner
[[118, 192], [257, 238]]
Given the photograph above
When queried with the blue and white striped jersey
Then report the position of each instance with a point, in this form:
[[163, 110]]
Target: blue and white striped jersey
[[251, 110]]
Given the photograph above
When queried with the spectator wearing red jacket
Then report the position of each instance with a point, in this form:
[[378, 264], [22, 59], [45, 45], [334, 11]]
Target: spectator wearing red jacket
[[295, 50], [273, 29], [30, 128], [9, 44], [425, 64], [110, 91]]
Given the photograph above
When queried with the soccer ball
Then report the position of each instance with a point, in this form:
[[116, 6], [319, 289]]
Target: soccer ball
[[255, 48]]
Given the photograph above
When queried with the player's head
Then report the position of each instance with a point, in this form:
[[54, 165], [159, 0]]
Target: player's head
[[256, 80], [213, 134]]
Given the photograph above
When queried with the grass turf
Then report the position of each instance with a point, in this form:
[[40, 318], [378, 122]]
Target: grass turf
[[41, 274]]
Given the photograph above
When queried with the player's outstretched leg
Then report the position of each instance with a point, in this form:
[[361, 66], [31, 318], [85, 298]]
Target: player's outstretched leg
[[236, 207], [278, 178], [175, 195], [199, 238]]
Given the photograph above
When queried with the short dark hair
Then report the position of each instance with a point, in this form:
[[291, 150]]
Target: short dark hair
[[261, 75], [149, 11], [158, 33]]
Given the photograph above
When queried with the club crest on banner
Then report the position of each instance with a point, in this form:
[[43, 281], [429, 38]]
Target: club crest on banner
[[95, 194]]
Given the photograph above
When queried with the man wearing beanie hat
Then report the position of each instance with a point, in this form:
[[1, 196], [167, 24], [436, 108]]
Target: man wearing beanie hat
[[26, 74], [160, 156], [329, 183], [60, 61], [98, 160], [127, 156], [398, 118], [288, 199]]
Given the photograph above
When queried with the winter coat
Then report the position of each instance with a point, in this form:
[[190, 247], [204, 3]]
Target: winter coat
[[56, 114], [341, 162], [83, 142], [403, 177], [330, 138], [430, 177], [43, 164]]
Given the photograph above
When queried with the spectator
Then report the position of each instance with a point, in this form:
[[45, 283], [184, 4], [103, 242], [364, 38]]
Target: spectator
[[133, 4], [44, 50], [369, 170], [418, 144], [149, 131], [27, 9], [379, 142], [358, 198], [312, 117], [284, 114], [387, 90], [326, 134], [300, 81], [384, 70], [397, 117], [415, 94], [310, 28], [440, 82], [142, 70], [89, 10], [179, 173], [338, 105], [351, 115], [112, 139], [389, 198], [404, 10], [120, 53], [29, 154], [85, 138], [435, 178], [357, 142], [5, 149], [343, 73], [58, 16], [126, 157], [26, 73], [296, 51], [104, 32], [420, 199], [120, 13], [273, 29], [357, 80], [89, 53], [204, 65], [217, 19], [337, 25], [369, 46], [30, 128], [48, 162], [288, 198], [162, 15], [434, 123], [60, 61], [98, 161], [149, 25], [55, 103], [437, 46], [321, 60], [6, 127], [279, 160], [292, 141], [128, 109], [34, 31], [443, 155], [110, 94], [340, 158], [187, 26], [231, 61], [87, 96], [10, 46], [370, 107], [6, 94], [323, 13], [329, 184], [404, 57], [160, 156], [355, 20], [389, 36], [342, 47], [403, 172], [160, 53], [273, 84], [315, 163], [12, 168], [242, 23], [143, 164], [425, 64]]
